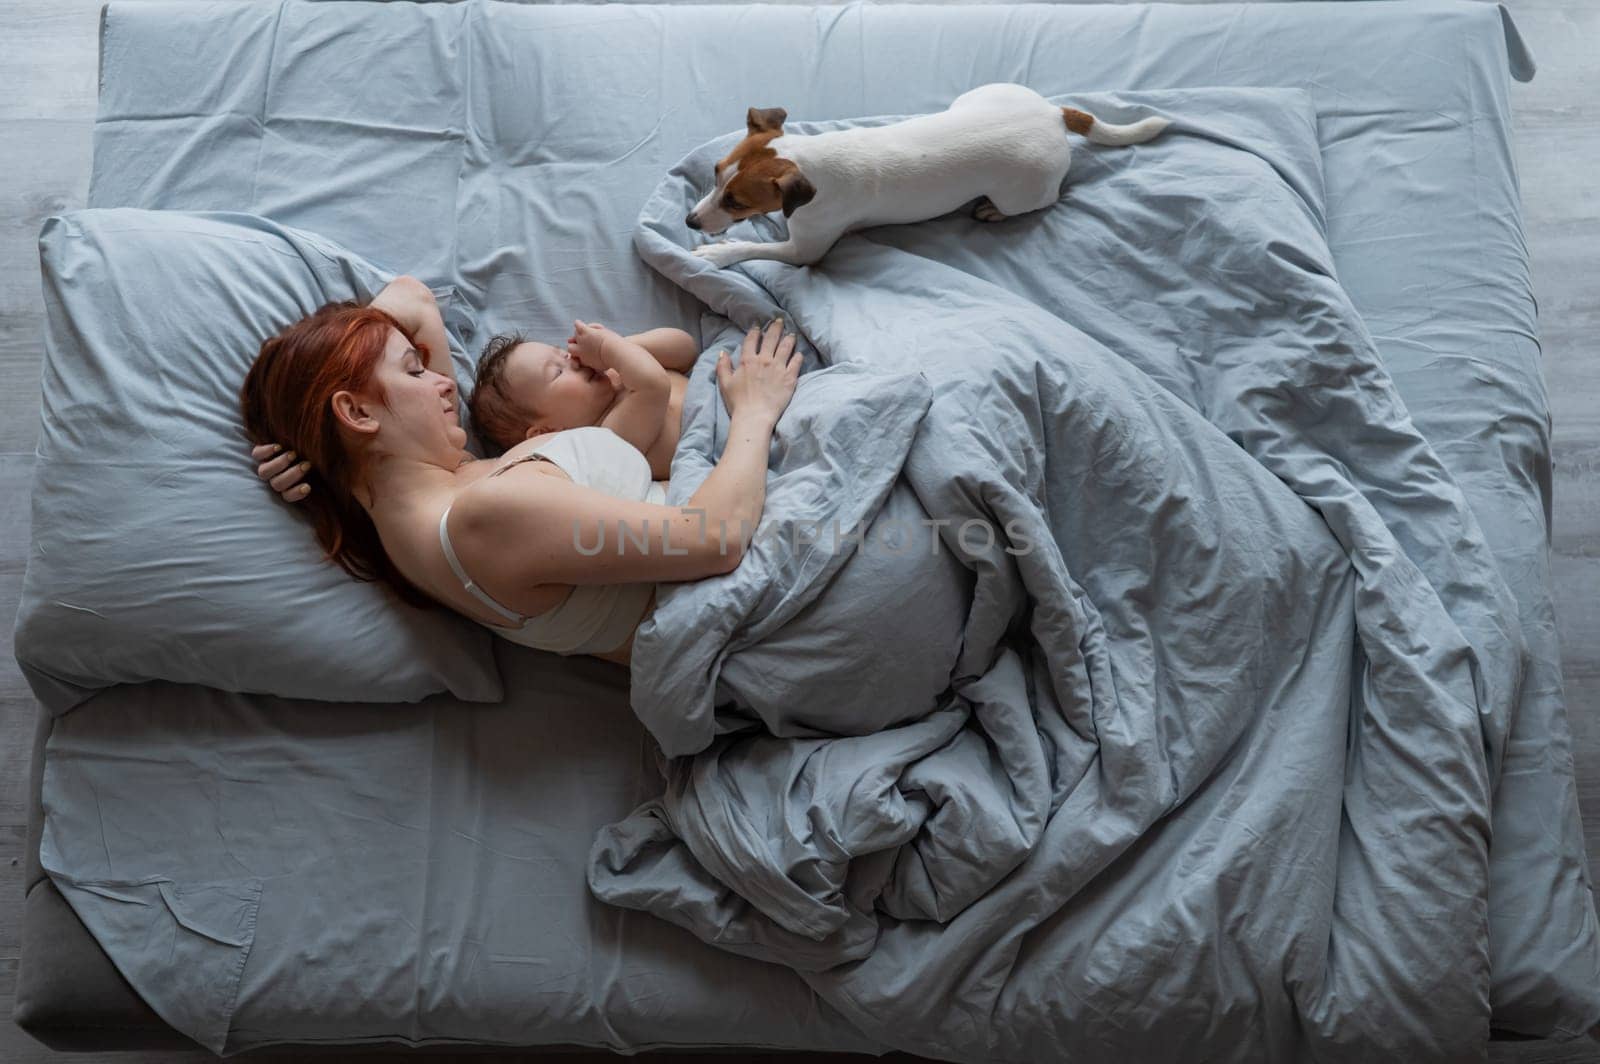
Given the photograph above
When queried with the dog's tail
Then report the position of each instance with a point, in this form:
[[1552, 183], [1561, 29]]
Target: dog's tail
[[1085, 124]]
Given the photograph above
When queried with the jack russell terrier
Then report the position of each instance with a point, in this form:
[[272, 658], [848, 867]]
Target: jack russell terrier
[[1002, 144]]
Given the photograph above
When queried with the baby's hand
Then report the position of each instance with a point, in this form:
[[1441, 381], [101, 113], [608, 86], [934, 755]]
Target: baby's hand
[[587, 342]]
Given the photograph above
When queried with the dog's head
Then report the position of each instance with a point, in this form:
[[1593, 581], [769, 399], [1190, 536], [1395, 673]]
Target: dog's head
[[753, 179]]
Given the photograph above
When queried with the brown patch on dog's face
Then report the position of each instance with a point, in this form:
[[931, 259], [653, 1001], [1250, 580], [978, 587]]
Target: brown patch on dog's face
[[765, 183], [752, 179], [762, 182], [751, 189]]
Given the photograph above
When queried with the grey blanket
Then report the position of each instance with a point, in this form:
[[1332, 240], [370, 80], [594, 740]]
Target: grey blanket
[[1116, 670]]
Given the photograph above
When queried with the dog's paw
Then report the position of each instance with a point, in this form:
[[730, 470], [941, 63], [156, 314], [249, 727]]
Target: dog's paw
[[985, 211], [719, 255]]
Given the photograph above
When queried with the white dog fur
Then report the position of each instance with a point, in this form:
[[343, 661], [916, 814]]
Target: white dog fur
[[1004, 143]]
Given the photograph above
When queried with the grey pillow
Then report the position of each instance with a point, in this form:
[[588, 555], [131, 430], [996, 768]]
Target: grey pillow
[[157, 553]]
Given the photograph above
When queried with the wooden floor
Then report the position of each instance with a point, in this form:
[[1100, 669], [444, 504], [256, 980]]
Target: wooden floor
[[48, 54]]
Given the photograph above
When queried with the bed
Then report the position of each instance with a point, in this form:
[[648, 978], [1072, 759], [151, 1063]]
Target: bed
[[505, 152]]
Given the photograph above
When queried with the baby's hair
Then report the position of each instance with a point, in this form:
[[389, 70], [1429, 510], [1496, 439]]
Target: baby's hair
[[494, 413]]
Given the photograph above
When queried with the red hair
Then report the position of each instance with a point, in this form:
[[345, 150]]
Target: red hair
[[287, 399]]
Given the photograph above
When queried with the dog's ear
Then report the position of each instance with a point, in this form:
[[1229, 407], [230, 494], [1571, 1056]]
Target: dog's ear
[[765, 119], [797, 191]]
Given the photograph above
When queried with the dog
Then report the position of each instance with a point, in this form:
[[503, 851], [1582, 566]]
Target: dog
[[1004, 145]]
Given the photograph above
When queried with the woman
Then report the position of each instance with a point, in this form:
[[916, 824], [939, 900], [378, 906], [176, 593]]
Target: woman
[[556, 544]]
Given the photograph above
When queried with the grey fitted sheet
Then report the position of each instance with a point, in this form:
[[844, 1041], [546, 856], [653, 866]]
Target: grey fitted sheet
[[508, 150]]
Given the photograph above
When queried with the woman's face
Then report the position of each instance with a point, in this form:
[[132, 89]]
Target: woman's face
[[417, 416]]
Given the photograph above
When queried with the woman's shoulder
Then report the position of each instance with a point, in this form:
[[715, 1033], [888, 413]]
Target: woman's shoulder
[[479, 515], [563, 454]]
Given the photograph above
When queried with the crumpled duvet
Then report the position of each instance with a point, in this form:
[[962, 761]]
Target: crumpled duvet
[[1116, 670]]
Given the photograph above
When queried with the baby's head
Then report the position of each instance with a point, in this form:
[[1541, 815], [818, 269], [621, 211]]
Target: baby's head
[[525, 388]]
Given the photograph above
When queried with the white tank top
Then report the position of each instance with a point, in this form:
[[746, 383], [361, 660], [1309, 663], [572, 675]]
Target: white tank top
[[593, 618]]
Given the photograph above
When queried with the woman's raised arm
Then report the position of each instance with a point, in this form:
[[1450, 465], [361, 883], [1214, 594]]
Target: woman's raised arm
[[411, 303]]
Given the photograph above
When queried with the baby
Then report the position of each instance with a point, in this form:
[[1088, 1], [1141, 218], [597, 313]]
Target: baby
[[632, 385]]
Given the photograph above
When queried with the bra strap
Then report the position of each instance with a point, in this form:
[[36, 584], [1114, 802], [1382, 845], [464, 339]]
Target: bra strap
[[533, 456], [461, 574]]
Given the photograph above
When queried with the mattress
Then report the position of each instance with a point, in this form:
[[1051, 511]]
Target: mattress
[[507, 150]]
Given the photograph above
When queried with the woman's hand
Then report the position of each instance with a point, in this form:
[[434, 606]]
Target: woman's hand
[[764, 381], [587, 344], [281, 471]]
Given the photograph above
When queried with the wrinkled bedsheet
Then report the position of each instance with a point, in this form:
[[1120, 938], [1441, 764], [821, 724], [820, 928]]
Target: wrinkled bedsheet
[[1221, 666], [421, 867]]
